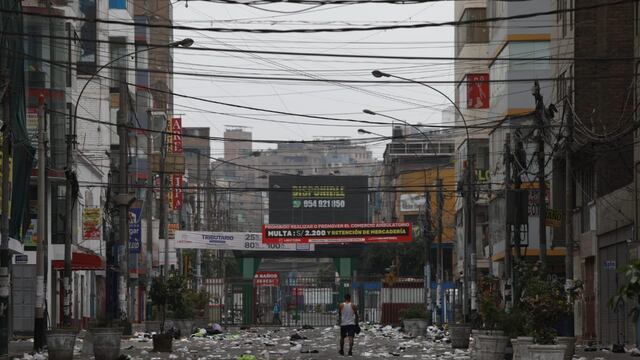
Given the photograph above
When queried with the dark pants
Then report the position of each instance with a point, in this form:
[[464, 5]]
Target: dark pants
[[347, 331]]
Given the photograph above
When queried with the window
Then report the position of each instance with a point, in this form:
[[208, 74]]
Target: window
[[562, 88], [562, 16], [118, 4], [118, 48], [58, 213], [473, 33], [527, 50]]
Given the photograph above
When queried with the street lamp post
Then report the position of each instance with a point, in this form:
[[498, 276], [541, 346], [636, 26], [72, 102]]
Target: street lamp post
[[123, 199], [470, 243]]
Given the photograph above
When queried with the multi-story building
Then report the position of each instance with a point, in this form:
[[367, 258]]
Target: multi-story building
[[495, 100], [597, 94], [473, 99], [412, 163]]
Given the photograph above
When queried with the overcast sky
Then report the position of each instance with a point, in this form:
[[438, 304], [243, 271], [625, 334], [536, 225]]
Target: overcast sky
[[408, 102]]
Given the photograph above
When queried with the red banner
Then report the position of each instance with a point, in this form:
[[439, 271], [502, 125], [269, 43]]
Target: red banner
[[266, 278], [336, 233], [478, 91], [176, 136], [176, 195]]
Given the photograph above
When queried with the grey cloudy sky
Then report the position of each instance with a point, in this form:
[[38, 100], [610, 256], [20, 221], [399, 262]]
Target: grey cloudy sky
[[409, 102]]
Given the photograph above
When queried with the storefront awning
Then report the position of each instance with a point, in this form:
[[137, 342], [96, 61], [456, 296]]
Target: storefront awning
[[81, 261]]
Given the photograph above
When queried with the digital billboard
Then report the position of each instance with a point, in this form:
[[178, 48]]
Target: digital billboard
[[318, 199]]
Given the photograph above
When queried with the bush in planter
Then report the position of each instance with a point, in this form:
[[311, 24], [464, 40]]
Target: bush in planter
[[413, 312], [490, 309], [165, 292], [545, 302], [414, 319], [197, 300]]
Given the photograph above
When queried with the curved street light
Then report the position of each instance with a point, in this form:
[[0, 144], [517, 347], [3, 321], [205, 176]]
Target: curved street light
[[379, 74], [185, 43], [470, 254], [124, 307]]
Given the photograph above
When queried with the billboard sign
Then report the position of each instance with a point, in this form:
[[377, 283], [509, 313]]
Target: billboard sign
[[318, 199], [478, 91], [232, 241], [176, 135], [176, 196], [411, 202], [336, 233]]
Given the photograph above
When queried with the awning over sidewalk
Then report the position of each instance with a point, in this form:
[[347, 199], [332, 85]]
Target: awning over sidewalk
[[81, 261]]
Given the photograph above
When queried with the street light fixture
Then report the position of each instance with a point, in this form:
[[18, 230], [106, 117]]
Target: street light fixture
[[123, 200], [470, 251]]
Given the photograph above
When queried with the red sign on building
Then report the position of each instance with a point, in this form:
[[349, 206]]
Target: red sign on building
[[176, 135], [336, 233], [478, 91], [266, 278], [177, 193]]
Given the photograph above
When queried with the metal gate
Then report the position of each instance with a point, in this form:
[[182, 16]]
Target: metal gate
[[307, 300]]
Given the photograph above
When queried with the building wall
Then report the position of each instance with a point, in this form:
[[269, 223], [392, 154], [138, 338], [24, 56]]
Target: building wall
[[415, 183]]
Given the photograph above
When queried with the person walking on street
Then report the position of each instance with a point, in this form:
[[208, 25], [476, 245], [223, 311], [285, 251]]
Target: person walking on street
[[348, 320], [276, 313]]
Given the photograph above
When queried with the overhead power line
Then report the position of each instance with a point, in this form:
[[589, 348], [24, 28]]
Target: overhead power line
[[341, 29]]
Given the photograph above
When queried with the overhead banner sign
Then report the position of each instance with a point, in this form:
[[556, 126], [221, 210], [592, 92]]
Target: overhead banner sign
[[336, 233], [232, 241]]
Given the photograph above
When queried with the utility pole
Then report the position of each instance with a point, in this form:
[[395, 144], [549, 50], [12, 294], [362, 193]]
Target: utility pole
[[5, 258], [471, 229], [208, 210], [164, 233], [440, 265], [568, 206], [196, 226], [123, 202], [542, 186], [39, 324], [427, 234], [508, 250], [70, 199], [149, 202]]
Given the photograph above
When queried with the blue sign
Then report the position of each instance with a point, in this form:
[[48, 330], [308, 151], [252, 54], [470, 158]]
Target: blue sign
[[135, 230], [21, 259]]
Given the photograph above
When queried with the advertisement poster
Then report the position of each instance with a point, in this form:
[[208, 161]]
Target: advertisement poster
[[91, 224], [336, 233], [478, 91]]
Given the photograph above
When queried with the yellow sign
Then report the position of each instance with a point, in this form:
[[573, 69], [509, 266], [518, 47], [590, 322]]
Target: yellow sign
[[553, 218]]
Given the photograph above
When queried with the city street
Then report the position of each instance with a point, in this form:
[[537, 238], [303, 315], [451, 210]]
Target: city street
[[276, 343]]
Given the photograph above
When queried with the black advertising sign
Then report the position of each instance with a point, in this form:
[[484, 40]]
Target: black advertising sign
[[318, 199]]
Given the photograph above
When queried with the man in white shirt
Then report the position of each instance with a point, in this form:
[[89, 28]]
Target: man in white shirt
[[348, 320]]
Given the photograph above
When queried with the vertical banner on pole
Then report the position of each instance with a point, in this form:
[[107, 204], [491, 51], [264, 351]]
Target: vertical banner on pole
[[135, 230]]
